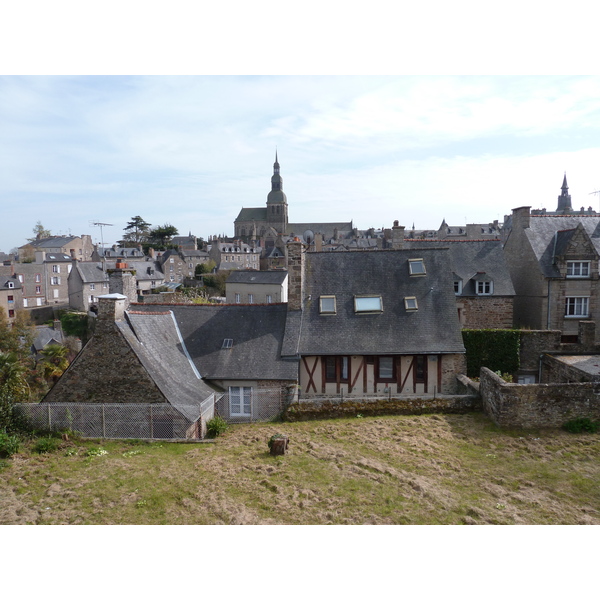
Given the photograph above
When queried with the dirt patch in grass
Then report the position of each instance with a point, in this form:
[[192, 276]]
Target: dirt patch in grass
[[429, 469]]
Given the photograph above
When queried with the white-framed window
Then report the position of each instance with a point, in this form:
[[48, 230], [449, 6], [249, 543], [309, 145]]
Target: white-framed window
[[92, 286], [458, 286], [227, 343], [578, 268], [484, 288], [56, 268], [25, 302], [250, 298], [38, 301], [55, 280], [55, 293], [92, 299], [577, 306], [38, 289], [416, 266], [269, 299], [240, 401], [327, 305], [410, 303], [38, 277], [11, 284], [171, 260], [238, 298], [368, 304]]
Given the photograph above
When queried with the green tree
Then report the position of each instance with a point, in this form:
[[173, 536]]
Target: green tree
[[13, 386], [206, 267], [137, 230], [54, 362], [160, 237], [39, 232]]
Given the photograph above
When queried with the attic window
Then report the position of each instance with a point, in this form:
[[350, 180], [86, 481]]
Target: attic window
[[327, 305], [416, 266], [368, 304], [579, 268], [484, 288], [11, 284], [458, 286], [410, 303], [227, 343]]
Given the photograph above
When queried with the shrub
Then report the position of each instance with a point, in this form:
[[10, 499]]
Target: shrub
[[581, 425], [216, 426], [45, 445], [9, 445], [496, 349]]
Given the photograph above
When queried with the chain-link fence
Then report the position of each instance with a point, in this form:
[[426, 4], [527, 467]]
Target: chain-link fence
[[118, 421], [246, 404]]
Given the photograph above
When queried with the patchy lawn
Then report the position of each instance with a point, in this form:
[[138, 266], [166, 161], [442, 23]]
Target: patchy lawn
[[431, 469]]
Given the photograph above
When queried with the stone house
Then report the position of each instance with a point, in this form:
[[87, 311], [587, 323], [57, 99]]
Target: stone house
[[135, 359], [179, 265], [553, 261], [80, 246], [482, 283], [235, 255], [373, 322], [11, 292], [256, 287]]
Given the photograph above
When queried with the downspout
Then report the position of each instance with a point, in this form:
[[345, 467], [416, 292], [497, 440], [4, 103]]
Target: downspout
[[548, 296]]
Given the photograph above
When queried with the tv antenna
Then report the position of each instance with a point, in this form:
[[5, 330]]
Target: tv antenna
[[101, 225], [596, 192]]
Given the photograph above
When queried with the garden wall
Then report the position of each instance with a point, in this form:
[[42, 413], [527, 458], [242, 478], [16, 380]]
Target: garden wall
[[536, 405]]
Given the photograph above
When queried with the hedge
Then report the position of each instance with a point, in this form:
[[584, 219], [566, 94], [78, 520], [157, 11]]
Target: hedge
[[496, 349]]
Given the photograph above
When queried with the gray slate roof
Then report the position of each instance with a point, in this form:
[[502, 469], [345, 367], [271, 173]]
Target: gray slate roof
[[327, 229], [252, 214], [541, 233], [467, 258], [257, 334], [432, 329], [258, 277], [92, 272], [155, 339]]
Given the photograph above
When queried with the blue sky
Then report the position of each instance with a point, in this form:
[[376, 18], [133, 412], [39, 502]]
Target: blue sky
[[193, 150]]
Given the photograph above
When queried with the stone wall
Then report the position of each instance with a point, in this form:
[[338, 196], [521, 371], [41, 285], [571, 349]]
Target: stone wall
[[559, 371], [536, 405], [334, 409], [486, 312], [534, 344]]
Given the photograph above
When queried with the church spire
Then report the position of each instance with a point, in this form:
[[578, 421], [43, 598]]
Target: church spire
[[564, 200], [276, 180]]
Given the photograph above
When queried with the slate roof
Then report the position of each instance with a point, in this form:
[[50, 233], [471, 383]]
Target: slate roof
[[92, 272], [119, 252], [46, 335], [57, 257], [258, 277], [252, 214], [468, 258], [432, 329], [257, 334], [541, 232], [327, 229], [51, 242], [157, 342], [4, 281]]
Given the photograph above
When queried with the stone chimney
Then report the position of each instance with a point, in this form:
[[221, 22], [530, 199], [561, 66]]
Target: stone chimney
[[121, 280], [296, 251], [521, 217], [397, 236], [111, 308]]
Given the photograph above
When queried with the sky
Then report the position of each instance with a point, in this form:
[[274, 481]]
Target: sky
[[191, 151]]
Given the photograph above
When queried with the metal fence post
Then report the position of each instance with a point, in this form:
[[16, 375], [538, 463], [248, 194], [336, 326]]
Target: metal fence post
[[103, 423], [49, 418], [151, 423]]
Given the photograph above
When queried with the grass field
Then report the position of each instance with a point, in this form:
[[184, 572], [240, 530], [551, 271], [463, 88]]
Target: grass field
[[433, 469]]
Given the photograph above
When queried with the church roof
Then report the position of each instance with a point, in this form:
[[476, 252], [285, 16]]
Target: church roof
[[252, 214]]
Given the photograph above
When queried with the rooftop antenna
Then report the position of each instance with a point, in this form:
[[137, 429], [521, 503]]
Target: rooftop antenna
[[596, 192], [101, 225]]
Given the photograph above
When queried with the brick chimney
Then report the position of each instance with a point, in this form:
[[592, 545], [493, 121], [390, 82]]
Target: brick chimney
[[296, 251]]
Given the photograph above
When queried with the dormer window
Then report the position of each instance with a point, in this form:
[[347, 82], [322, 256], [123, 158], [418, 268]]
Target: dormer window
[[458, 286], [416, 266], [227, 343], [578, 268], [327, 305], [11, 284], [368, 304], [410, 303], [484, 288]]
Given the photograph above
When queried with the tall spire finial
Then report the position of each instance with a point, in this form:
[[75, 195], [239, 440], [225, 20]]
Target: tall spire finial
[[564, 200]]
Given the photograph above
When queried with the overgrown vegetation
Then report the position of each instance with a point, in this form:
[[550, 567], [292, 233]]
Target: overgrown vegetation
[[216, 426], [496, 349], [9, 445], [433, 469], [75, 324], [581, 425]]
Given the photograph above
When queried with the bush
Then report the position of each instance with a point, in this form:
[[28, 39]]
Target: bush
[[496, 349], [45, 445], [216, 426], [581, 425], [9, 445]]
